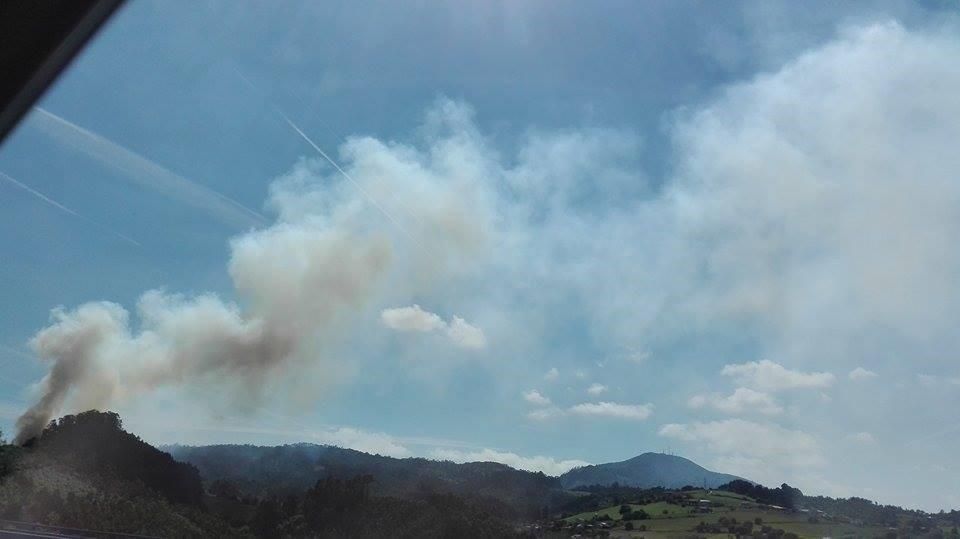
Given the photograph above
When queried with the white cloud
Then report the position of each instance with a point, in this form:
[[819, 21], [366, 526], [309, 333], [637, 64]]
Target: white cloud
[[368, 442], [544, 414], [596, 389], [547, 465], [552, 374], [861, 437], [637, 412], [465, 335], [536, 398], [791, 217], [742, 400], [757, 451], [769, 376], [861, 373], [414, 318], [411, 318], [166, 428]]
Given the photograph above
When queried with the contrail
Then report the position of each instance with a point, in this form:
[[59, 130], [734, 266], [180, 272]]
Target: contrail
[[65, 209], [366, 194], [143, 171]]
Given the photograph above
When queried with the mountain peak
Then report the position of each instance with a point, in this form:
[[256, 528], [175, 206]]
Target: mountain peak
[[646, 470]]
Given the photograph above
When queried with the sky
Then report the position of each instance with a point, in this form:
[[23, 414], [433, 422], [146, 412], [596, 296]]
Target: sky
[[540, 233]]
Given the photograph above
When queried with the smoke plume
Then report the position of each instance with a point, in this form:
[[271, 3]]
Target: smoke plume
[[325, 257]]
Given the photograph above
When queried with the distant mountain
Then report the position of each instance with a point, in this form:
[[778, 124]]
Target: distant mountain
[[646, 471]]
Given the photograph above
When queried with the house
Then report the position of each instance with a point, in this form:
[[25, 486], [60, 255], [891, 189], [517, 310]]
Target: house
[[704, 506]]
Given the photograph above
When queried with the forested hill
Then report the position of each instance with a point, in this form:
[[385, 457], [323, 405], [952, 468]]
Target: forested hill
[[259, 471], [85, 471], [94, 443]]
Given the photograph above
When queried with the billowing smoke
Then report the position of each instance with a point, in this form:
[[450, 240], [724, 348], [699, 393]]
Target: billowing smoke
[[323, 260], [296, 278]]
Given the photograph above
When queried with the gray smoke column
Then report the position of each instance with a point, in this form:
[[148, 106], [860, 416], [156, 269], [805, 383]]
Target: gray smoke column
[[295, 278], [328, 255]]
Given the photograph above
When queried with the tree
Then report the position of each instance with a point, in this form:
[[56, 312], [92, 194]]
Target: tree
[[266, 520]]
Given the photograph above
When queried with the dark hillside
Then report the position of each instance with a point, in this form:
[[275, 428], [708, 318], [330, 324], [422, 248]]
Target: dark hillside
[[94, 443], [263, 471], [84, 471]]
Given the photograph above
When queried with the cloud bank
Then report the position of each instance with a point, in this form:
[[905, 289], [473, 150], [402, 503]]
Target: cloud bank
[[547, 465], [769, 376], [635, 412], [743, 400], [764, 452]]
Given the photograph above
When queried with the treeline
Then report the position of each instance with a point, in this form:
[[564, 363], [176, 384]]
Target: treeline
[[900, 522], [601, 496], [263, 472], [26, 500], [783, 496], [744, 528], [85, 471], [859, 509], [9, 454], [338, 508]]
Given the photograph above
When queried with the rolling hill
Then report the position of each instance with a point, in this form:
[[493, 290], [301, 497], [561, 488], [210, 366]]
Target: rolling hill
[[646, 471], [86, 471], [281, 470]]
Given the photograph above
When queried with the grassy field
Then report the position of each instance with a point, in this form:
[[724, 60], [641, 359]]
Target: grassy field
[[788, 522], [655, 510], [679, 521]]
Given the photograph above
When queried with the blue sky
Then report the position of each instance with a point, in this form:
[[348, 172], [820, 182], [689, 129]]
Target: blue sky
[[564, 233]]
